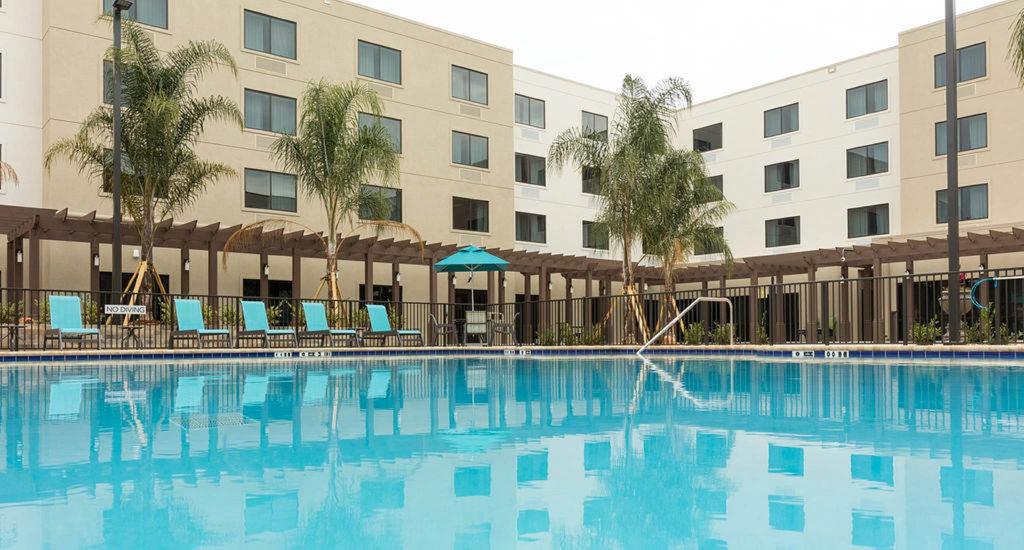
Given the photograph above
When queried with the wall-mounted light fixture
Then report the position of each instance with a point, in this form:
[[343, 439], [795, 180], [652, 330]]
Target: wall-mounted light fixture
[[398, 277], [549, 285], [96, 259], [504, 283], [266, 270], [188, 264], [19, 257], [136, 253]]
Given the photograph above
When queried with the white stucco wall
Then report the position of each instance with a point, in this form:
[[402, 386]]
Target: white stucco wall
[[21, 101]]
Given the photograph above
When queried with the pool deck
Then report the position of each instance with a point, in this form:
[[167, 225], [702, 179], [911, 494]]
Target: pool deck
[[798, 351]]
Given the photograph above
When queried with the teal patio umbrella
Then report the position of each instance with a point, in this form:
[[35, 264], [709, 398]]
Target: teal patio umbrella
[[471, 259]]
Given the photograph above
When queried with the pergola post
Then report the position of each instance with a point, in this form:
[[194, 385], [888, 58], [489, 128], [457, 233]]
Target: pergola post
[[492, 287], [264, 276], [568, 299], [606, 311], [588, 293], [211, 269], [296, 274], [983, 293], [94, 268], [754, 296], [9, 272], [812, 304], [502, 283], [527, 308], [451, 298], [432, 298], [908, 301], [186, 261], [723, 312], [34, 268], [396, 283], [544, 292], [844, 303], [705, 311], [368, 278], [877, 302], [779, 311]]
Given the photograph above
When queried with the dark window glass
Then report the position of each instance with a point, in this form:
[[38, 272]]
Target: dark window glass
[[782, 232], [699, 249], [529, 111], [380, 62], [147, 12], [973, 134], [970, 64], [718, 182], [469, 85], [393, 196], [470, 214], [531, 228], [867, 221], [270, 190], [469, 150], [973, 203], [530, 169], [267, 34], [867, 99], [592, 180], [708, 138], [595, 235], [392, 125], [783, 175], [595, 126], [782, 120], [269, 112], [786, 513], [867, 160]]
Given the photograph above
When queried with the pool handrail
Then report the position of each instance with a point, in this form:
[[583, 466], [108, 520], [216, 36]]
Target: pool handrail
[[685, 310]]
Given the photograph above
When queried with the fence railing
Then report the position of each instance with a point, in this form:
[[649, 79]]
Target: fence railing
[[892, 309]]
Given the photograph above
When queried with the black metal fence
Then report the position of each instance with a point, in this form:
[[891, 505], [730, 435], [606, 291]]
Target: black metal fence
[[894, 309]]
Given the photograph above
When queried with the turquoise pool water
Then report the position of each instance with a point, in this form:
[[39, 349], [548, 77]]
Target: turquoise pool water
[[503, 453]]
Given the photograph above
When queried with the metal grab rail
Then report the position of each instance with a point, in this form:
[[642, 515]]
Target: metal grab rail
[[671, 323]]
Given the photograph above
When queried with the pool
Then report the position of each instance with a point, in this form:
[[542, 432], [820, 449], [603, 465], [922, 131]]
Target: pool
[[469, 453]]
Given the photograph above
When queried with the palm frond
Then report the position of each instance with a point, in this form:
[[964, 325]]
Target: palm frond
[[1016, 51]]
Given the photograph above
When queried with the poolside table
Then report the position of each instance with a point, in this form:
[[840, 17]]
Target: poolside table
[[11, 333]]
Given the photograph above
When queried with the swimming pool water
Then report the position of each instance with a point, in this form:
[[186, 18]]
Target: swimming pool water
[[502, 453]]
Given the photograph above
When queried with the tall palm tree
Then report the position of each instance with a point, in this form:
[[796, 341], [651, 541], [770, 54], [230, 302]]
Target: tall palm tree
[[1016, 53], [686, 215], [639, 133], [163, 120], [334, 157]]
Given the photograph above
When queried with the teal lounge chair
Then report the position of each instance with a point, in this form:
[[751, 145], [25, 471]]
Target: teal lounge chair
[[317, 327], [380, 328], [191, 325], [257, 327], [66, 323]]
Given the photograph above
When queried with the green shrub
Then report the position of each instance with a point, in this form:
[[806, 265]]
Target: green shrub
[[11, 313], [926, 333], [720, 335], [42, 308], [694, 334]]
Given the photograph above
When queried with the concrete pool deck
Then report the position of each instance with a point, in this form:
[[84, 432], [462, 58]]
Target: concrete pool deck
[[797, 351]]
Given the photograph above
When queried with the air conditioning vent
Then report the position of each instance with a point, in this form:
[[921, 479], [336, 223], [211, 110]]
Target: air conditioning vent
[[470, 175], [864, 124], [271, 65], [532, 135], [868, 183], [783, 198], [710, 157], [265, 142], [966, 91], [968, 160], [469, 111], [527, 193], [383, 91]]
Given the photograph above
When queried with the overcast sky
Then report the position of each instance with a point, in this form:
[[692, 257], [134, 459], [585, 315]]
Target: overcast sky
[[720, 46]]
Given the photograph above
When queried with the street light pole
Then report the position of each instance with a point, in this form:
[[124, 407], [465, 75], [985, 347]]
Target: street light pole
[[115, 179], [952, 176]]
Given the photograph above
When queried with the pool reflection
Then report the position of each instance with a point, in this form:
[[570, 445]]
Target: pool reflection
[[477, 453]]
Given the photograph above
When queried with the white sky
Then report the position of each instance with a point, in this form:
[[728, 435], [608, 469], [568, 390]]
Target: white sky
[[719, 46]]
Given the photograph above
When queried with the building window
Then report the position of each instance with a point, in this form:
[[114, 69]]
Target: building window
[[469, 150], [867, 221], [700, 250], [595, 126], [595, 235], [470, 215], [782, 232], [718, 182], [380, 62], [394, 198], [867, 160], [531, 228], [782, 120], [970, 64], [529, 111], [783, 175], [269, 112], [592, 180], [973, 134], [393, 126], [867, 99], [973, 203], [270, 190], [530, 169], [147, 12], [267, 34], [708, 138], [469, 85]]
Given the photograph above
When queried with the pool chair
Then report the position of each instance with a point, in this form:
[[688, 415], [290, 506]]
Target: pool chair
[[447, 331], [66, 323], [380, 328], [191, 326], [257, 327], [317, 327]]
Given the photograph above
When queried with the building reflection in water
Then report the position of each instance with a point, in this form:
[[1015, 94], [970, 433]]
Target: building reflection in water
[[471, 453]]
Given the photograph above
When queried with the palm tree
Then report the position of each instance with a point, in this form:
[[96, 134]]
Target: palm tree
[[639, 134], [334, 157], [686, 215], [7, 173], [163, 120], [1016, 53]]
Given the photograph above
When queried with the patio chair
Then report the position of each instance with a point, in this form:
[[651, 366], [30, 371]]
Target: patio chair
[[499, 327], [66, 323], [191, 326], [476, 325], [317, 327], [257, 326], [380, 328], [445, 330]]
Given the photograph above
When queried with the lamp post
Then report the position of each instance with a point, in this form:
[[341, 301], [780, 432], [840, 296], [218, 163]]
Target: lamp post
[[952, 176], [120, 6]]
